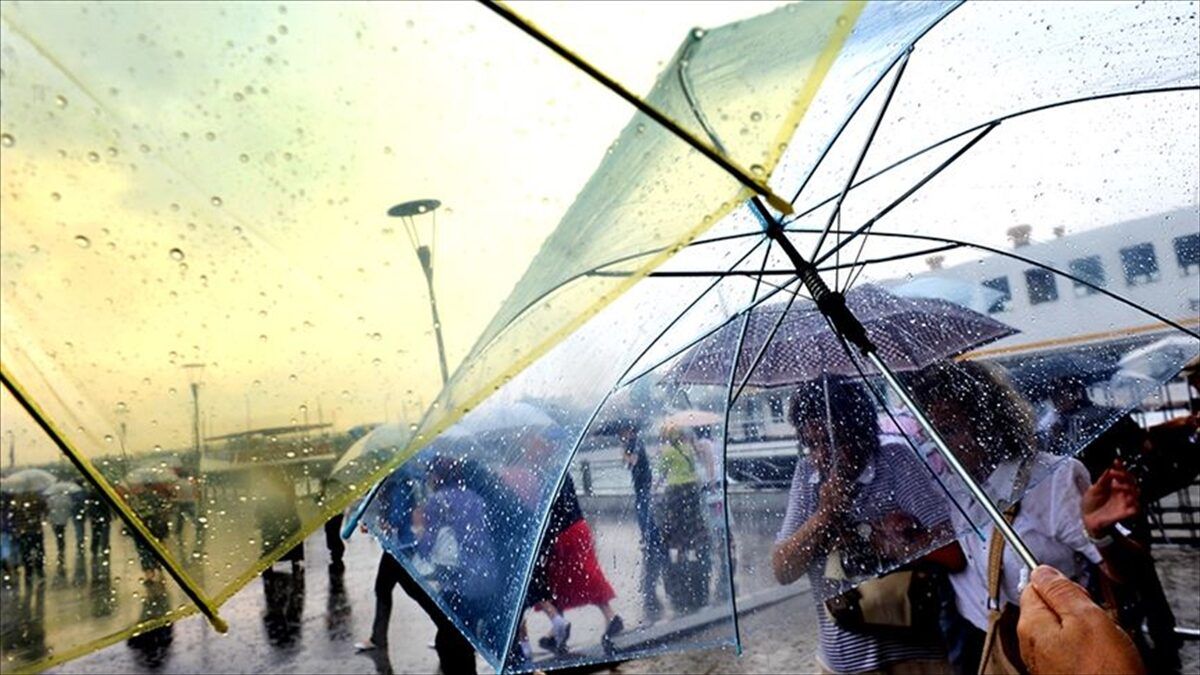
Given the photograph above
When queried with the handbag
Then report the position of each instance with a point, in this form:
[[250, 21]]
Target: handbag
[[902, 604], [1001, 649]]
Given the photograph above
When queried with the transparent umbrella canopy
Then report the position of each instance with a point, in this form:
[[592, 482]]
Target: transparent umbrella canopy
[[214, 190], [967, 125]]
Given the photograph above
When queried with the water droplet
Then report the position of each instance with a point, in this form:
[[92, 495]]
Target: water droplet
[[243, 158], [176, 254], [82, 241], [60, 101], [210, 136], [262, 338], [757, 170], [93, 156], [112, 152], [55, 196], [698, 33], [108, 438], [283, 30], [755, 116], [7, 140], [216, 201], [292, 377], [376, 336], [842, 21], [237, 96]]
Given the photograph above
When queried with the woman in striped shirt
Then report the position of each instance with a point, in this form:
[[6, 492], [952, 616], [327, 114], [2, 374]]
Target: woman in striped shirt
[[856, 509]]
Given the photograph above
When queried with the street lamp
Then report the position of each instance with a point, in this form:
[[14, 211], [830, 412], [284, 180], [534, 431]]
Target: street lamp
[[195, 371], [406, 212]]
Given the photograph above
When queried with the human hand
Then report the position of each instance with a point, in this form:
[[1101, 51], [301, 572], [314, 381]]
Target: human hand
[[1113, 498], [1062, 631], [897, 535], [834, 498]]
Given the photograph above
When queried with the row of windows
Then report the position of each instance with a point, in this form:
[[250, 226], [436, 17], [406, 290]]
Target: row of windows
[[1139, 263]]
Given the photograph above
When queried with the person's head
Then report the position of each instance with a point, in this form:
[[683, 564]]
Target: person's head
[[977, 412], [445, 472], [1068, 392], [838, 423]]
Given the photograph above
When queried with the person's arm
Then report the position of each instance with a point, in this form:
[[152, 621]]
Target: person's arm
[[1062, 631], [792, 555], [1111, 499]]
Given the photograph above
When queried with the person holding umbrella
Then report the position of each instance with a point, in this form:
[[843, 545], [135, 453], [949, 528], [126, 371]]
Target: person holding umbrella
[[852, 503]]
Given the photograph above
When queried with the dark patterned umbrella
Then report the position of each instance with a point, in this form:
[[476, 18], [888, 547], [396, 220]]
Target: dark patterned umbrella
[[910, 333]]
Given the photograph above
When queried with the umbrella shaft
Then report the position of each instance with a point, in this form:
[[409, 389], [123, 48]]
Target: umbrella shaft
[[1002, 525]]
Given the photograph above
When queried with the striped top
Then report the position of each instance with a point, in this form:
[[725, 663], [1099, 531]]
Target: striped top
[[893, 482]]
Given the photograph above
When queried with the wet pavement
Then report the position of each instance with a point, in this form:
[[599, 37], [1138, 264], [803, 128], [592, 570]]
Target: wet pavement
[[307, 622]]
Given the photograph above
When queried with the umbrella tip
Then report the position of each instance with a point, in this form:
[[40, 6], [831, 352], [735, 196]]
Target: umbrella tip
[[219, 624]]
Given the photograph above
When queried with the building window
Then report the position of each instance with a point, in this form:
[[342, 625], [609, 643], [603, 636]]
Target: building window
[[1187, 252], [1088, 269], [1140, 264], [1042, 287], [777, 408], [1000, 304]]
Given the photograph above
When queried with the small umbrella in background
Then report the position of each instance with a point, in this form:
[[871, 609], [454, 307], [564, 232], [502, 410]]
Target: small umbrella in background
[[975, 297], [1160, 360], [27, 480], [65, 487]]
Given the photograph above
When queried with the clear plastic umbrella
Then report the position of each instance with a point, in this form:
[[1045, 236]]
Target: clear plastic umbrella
[[936, 170]]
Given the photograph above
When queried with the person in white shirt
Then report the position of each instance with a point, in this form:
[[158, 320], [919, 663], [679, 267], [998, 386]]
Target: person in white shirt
[[1066, 522]]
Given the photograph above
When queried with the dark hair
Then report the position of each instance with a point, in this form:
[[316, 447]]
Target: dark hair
[[837, 397], [1001, 420], [847, 408]]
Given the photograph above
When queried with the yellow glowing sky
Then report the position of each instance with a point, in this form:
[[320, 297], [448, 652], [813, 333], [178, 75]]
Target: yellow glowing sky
[[207, 183]]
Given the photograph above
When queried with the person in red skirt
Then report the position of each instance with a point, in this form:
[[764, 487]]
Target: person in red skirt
[[567, 573]]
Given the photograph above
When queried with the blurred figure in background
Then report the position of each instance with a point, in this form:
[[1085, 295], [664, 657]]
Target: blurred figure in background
[[654, 557], [1100, 435], [682, 520]]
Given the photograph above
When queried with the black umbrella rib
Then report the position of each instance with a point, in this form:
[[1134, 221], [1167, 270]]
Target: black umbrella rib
[[901, 53], [997, 120], [737, 631], [762, 350], [545, 522], [709, 333], [862, 155], [908, 193], [1049, 268]]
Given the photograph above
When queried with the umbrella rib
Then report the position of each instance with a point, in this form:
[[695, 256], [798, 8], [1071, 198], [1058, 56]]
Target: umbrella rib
[[985, 127], [762, 350], [728, 165], [737, 630], [908, 193], [996, 120], [1049, 268], [545, 522], [711, 331], [900, 53], [109, 494], [862, 155]]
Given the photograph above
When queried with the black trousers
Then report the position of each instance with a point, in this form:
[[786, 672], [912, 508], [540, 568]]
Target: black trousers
[[455, 653]]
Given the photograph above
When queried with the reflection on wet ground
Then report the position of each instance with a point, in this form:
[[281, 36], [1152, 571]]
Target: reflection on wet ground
[[305, 618]]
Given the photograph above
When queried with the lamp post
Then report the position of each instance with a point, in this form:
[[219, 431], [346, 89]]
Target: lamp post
[[407, 212], [195, 372]]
